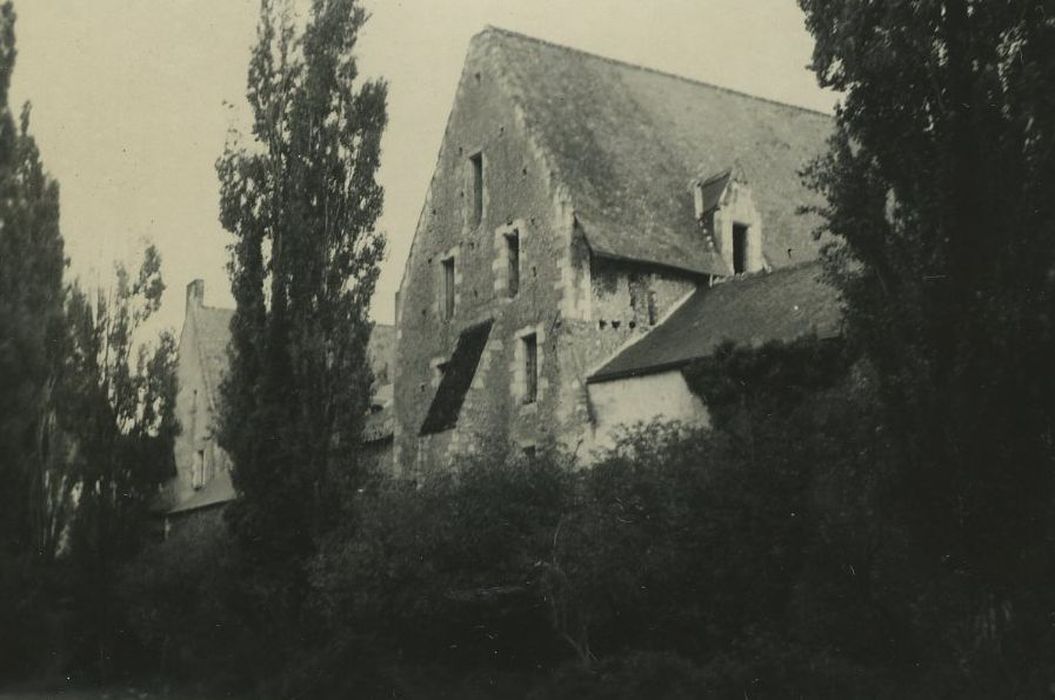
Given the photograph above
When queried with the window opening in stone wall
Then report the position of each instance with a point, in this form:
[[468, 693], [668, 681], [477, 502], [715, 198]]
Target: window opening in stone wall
[[530, 368], [530, 451], [198, 476], [651, 308], [633, 284], [739, 248], [476, 164], [448, 287], [513, 257]]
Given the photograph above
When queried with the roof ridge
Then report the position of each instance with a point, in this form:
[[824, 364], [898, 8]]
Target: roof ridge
[[759, 277], [490, 28]]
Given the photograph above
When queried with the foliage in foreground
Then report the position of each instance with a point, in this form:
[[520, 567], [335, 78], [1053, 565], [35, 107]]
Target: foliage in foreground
[[754, 558], [301, 200], [937, 191]]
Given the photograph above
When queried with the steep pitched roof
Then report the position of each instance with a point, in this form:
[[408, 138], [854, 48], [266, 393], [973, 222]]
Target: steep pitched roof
[[212, 331], [781, 305], [627, 141]]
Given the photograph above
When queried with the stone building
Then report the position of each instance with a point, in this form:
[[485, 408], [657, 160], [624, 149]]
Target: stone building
[[590, 227], [202, 483]]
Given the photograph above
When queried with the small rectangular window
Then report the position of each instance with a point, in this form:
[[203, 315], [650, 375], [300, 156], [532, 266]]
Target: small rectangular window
[[448, 287], [739, 248], [530, 368], [198, 475], [513, 255], [476, 164], [530, 451]]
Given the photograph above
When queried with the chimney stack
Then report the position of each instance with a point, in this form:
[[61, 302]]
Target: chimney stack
[[195, 293]]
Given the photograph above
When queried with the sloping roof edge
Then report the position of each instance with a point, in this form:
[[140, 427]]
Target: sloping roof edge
[[781, 305], [218, 491], [490, 28]]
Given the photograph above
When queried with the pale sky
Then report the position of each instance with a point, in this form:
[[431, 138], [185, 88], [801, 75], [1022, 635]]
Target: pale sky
[[133, 99]]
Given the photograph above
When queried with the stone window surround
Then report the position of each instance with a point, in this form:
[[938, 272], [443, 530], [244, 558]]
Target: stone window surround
[[737, 208], [518, 389], [198, 469], [500, 264], [439, 302]]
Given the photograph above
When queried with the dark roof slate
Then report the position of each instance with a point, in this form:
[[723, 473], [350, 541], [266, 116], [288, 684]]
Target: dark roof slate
[[457, 378], [751, 310], [627, 142]]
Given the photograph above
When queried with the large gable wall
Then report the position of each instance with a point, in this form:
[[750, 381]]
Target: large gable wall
[[517, 189], [194, 413]]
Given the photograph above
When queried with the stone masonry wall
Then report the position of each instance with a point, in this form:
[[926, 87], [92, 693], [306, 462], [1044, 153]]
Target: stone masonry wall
[[625, 301], [518, 197], [195, 415]]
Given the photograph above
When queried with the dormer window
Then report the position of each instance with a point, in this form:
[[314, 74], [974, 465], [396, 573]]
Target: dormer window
[[729, 221], [740, 234]]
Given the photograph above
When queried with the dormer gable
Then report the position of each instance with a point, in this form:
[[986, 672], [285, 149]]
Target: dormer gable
[[729, 220]]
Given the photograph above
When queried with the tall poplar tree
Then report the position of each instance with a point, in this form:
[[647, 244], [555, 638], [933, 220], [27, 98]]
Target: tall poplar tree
[[940, 187], [302, 201]]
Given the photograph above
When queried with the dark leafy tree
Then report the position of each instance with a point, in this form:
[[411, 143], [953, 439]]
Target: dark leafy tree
[[302, 201], [35, 492], [31, 297], [118, 405], [939, 187]]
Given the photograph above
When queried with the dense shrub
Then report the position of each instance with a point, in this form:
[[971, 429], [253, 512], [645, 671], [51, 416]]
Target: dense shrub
[[760, 557], [445, 571], [182, 599]]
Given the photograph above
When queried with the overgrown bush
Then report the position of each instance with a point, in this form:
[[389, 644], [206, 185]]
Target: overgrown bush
[[758, 557], [182, 598], [445, 571]]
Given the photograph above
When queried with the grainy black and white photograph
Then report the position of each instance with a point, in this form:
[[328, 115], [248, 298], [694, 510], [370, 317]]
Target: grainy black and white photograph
[[528, 349]]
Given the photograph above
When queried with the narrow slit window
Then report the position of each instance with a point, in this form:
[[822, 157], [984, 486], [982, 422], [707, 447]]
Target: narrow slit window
[[530, 368], [476, 165], [739, 248], [198, 477], [513, 255], [448, 287]]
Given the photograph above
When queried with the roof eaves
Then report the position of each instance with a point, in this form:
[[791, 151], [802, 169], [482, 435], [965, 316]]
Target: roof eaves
[[601, 251], [601, 377]]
